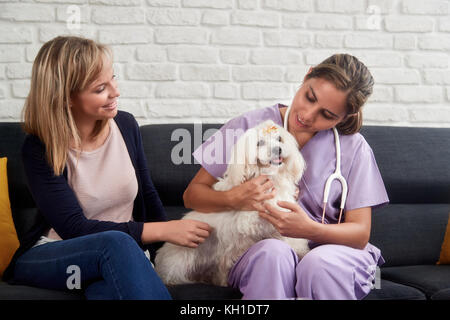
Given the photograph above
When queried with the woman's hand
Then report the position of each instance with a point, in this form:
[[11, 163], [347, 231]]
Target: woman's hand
[[295, 223], [250, 195], [187, 233]]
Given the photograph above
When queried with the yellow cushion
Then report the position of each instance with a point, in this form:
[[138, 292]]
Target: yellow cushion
[[8, 236], [445, 249]]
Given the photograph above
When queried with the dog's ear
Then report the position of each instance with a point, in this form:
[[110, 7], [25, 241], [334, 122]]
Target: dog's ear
[[242, 164], [295, 163]]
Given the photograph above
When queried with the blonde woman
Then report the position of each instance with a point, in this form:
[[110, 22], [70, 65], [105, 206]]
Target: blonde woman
[[88, 175]]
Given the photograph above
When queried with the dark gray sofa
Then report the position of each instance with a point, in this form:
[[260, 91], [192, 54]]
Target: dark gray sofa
[[414, 163]]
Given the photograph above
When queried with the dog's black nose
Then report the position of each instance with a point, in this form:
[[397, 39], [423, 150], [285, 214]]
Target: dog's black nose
[[276, 150]]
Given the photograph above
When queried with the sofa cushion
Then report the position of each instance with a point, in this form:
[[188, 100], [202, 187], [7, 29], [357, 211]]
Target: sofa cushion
[[441, 295], [19, 292], [430, 279], [409, 234], [444, 257], [8, 236], [394, 291], [413, 162]]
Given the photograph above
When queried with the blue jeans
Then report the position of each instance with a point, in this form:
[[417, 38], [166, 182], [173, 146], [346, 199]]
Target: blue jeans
[[111, 266]]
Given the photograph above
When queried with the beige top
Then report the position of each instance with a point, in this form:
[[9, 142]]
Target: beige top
[[104, 180]]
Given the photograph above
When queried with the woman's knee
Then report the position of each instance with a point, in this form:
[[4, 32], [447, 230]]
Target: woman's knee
[[116, 241], [274, 250]]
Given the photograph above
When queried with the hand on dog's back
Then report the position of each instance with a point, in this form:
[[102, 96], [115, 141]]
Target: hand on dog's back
[[250, 195], [187, 233]]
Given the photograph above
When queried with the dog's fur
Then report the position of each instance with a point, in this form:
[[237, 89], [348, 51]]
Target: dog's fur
[[256, 152]]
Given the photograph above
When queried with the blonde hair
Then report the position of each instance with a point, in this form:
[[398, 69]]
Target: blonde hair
[[348, 74], [63, 67]]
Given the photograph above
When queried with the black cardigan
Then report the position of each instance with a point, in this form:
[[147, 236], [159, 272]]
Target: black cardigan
[[59, 207]]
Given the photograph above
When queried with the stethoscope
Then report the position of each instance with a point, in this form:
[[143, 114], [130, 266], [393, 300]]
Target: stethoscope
[[335, 176]]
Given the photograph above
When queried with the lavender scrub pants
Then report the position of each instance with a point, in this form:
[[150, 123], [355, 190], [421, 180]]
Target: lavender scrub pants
[[271, 270]]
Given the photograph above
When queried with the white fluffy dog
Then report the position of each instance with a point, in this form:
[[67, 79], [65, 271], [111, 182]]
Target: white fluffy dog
[[264, 149]]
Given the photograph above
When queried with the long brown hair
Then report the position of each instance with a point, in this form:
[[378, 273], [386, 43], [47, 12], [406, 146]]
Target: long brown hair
[[62, 68], [348, 74]]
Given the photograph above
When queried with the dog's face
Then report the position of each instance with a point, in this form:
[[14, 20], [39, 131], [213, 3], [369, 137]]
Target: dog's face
[[265, 149]]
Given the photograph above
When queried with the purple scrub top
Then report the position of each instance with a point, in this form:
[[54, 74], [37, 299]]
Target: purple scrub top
[[358, 165]]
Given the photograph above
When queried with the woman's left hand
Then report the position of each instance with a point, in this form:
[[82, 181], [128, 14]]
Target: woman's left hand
[[295, 223]]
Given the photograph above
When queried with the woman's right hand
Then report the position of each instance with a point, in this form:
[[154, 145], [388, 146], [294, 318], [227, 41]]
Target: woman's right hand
[[250, 195], [187, 233]]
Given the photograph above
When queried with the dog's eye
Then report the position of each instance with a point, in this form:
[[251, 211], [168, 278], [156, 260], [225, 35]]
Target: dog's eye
[[279, 139], [260, 143]]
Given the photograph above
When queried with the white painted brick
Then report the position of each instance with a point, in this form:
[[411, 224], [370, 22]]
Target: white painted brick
[[233, 56], [2, 71], [429, 7], [263, 19], [405, 42], [151, 53], [236, 36], [117, 2], [11, 53], [27, 12], [386, 114], [173, 17], [408, 24], [147, 71], [341, 6], [429, 114], [379, 59], [448, 93], [316, 57], [61, 1], [293, 21], [329, 22], [216, 4], [11, 109], [18, 70], [247, 4], [287, 39], [425, 94], [182, 90], [64, 13], [370, 23], [12, 34], [2, 93], [381, 94], [20, 89], [134, 106], [215, 18], [117, 15], [265, 91], [181, 35], [192, 54], [163, 3], [129, 35], [173, 109], [226, 91], [329, 40], [257, 73], [368, 41], [436, 77], [434, 42], [289, 5], [47, 33], [225, 110], [395, 76], [375, 7], [296, 74], [123, 53], [132, 89], [436, 60], [204, 73], [444, 24], [275, 56]]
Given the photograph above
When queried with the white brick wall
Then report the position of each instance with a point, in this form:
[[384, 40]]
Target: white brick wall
[[210, 60]]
